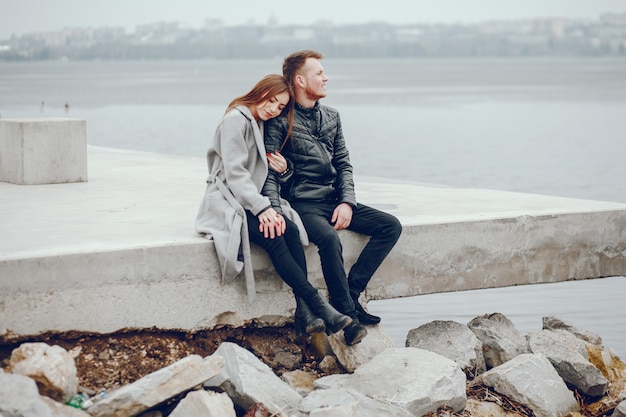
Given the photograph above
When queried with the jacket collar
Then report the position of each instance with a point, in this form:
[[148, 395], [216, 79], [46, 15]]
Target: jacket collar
[[307, 110]]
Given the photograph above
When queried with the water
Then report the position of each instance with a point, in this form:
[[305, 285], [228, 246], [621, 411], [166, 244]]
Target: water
[[551, 126]]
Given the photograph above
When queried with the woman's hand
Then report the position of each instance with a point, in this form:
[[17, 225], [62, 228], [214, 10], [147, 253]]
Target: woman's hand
[[271, 224], [277, 162]]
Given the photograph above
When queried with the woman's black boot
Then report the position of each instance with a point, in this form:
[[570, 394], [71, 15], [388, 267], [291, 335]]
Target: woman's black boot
[[306, 322], [334, 320]]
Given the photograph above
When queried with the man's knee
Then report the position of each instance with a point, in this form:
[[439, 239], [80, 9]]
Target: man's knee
[[395, 227], [327, 237]]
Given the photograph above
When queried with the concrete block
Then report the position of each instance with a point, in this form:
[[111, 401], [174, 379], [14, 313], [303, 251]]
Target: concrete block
[[43, 151]]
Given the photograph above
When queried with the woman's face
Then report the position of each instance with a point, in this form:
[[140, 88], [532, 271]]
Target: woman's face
[[272, 107]]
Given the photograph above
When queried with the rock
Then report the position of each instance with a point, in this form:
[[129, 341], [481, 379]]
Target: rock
[[531, 380], [568, 355], [330, 365], [351, 357], [62, 410], [153, 413], [453, 340], [247, 381], [414, 379], [553, 323], [613, 369], [257, 410], [204, 404], [487, 408], [349, 403], [19, 397], [501, 340], [299, 380], [620, 410], [157, 387], [52, 367]]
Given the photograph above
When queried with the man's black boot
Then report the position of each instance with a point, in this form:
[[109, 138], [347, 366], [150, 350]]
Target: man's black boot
[[333, 319], [354, 332], [306, 322], [363, 316]]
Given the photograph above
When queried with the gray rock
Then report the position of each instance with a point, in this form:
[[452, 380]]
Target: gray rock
[[19, 397], [349, 403], [62, 410], [51, 366], [247, 381], [414, 379], [553, 323], [568, 355], [531, 380], [501, 340], [299, 380], [620, 410], [351, 357], [453, 340], [154, 388], [204, 404]]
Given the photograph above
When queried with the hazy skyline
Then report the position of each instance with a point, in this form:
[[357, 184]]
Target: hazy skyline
[[24, 16]]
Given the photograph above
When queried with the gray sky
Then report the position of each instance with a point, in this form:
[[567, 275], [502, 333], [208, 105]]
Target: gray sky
[[23, 16]]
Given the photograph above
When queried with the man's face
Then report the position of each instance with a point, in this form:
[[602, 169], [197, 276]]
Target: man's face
[[313, 79]]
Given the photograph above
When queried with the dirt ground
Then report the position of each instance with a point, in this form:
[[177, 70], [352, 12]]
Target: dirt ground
[[105, 362]]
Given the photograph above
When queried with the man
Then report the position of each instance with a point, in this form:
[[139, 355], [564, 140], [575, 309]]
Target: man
[[321, 190]]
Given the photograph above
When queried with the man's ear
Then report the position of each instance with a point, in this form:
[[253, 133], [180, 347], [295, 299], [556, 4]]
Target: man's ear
[[300, 80]]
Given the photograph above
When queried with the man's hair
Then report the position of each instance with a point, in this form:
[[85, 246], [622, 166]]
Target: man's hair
[[294, 63]]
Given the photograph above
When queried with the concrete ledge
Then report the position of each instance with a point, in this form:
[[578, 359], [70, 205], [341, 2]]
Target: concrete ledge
[[120, 251], [43, 151]]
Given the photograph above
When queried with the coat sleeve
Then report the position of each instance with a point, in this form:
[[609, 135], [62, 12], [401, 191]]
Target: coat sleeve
[[235, 138], [274, 132], [341, 162]]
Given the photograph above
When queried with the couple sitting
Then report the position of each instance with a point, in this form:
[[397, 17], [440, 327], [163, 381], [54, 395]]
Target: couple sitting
[[277, 141]]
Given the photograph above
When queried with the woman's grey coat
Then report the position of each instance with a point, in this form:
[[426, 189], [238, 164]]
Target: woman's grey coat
[[237, 171]]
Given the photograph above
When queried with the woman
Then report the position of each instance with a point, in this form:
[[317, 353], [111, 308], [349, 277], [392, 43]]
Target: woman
[[235, 213]]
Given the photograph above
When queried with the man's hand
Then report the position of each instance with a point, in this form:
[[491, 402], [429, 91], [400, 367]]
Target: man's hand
[[342, 216]]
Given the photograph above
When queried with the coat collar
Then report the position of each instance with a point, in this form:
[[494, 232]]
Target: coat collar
[[257, 129]]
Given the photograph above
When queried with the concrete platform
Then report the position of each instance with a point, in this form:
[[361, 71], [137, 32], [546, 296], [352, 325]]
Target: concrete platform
[[120, 251]]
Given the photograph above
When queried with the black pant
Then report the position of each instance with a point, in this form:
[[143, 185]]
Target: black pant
[[384, 231], [287, 255]]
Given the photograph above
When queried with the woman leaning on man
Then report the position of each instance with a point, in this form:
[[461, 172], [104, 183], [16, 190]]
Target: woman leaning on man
[[234, 211]]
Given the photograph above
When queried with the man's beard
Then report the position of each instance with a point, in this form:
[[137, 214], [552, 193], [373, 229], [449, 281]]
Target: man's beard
[[314, 95]]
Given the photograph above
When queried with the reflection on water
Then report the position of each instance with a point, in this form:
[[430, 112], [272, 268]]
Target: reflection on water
[[596, 305]]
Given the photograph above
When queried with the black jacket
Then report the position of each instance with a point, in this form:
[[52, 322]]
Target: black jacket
[[317, 150]]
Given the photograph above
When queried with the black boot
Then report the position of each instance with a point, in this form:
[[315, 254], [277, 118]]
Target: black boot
[[354, 333], [334, 320], [363, 316], [306, 322]]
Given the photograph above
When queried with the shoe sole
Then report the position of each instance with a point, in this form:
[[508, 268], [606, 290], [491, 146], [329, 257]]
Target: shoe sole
[[360, 336], [342, 325], [316, 326]]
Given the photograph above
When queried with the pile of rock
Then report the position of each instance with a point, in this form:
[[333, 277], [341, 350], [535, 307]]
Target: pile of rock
[[550, 372]]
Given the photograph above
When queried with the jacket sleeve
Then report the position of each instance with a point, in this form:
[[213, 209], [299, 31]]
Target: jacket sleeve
[[235, 155], [274, 131], [341, 162]]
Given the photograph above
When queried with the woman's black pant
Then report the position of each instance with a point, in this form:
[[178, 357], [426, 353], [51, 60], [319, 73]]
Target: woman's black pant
[[287, 255]]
